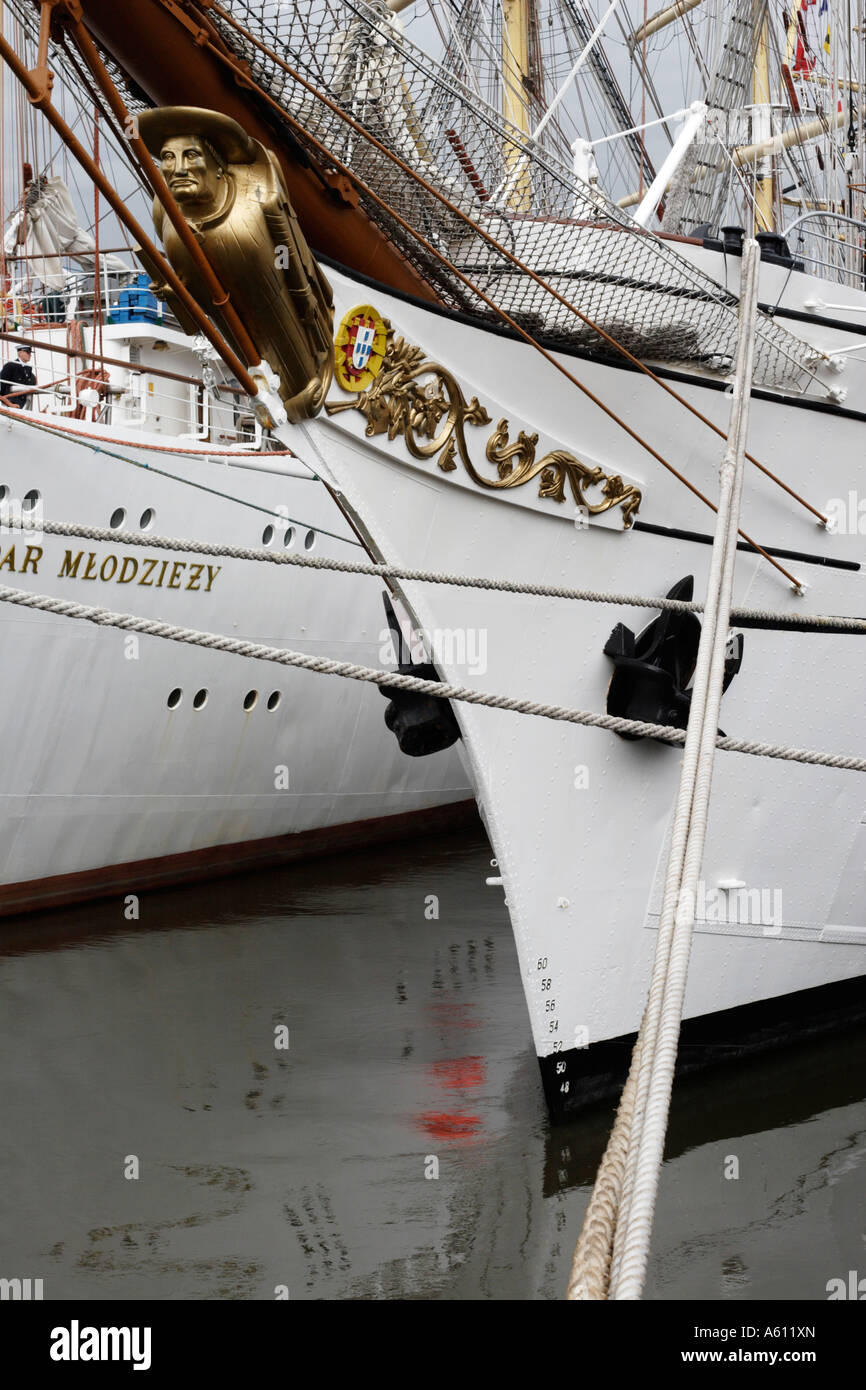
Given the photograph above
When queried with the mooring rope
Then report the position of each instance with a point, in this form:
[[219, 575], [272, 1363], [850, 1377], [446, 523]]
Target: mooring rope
[[611, 1255], [386, 571], [128, 622]]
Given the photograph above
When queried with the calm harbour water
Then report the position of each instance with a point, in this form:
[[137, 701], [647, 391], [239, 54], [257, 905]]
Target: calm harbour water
[[409, 1047]]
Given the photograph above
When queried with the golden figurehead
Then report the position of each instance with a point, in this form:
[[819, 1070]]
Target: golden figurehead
[[230, 190]]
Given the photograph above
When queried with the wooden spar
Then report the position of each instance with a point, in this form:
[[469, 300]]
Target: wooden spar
[[802, 133], [661, 20], [515, 105], [764, 217]]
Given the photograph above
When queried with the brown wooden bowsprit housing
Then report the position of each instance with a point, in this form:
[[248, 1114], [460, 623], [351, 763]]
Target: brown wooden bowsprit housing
[[161, 46]]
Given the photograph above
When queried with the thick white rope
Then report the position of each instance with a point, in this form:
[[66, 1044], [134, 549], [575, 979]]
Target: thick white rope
[[127, 622], [631, 1248], [611, 1255], [385, 571]]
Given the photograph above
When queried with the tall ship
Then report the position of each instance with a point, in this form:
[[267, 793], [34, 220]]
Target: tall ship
[[520, 410], [133, 764]]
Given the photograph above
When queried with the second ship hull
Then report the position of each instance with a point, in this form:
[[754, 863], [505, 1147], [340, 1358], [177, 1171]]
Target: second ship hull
[[133, 762]]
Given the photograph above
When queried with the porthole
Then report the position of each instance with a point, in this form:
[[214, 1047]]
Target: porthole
[[199, 699], [267, 535], [309, 540], [289, 537], [274, 699], [30, 500], [4, 492], [147, 519], [175, 698], [118, 517], [250, 699]]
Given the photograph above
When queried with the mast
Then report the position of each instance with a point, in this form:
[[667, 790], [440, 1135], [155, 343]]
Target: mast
[[515, 98], [761, 132]]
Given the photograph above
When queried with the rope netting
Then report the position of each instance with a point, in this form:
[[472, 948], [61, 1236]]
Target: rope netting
[[632, 284], [523, 195]]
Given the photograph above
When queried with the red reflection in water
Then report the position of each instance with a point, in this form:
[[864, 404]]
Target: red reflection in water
[[440, 1125], [455, 1015], [459, 1074], [454, 1074]]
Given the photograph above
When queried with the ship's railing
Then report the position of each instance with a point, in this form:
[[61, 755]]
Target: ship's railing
[[120, 296], [191, 412], [831, 246], [131, 396], [195, 413]]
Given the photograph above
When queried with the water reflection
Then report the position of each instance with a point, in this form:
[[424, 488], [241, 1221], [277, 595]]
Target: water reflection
[[399, 1146]]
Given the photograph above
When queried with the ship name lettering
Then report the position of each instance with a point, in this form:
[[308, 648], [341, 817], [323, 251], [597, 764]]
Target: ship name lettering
[[69, 565], [151, 572]]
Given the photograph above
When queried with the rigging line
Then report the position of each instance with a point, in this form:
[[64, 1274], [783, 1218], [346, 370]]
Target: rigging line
[[517, 328], [219, 296], [576, 66], [430, 188], [213, 641], [700, 60], [613, 95], [650, 85], [188, 482], [51, 113], [643, 99], [756, 618], [509, 256], [458, 46], [123, 147]]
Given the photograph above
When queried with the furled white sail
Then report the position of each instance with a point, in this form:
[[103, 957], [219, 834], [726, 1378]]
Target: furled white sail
[[50, 230]]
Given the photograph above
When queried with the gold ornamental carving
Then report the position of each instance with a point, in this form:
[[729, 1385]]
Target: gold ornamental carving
[[230, 190], [421, 402]]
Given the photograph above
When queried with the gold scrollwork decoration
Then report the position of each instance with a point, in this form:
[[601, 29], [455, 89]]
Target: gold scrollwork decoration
[[422, 402]]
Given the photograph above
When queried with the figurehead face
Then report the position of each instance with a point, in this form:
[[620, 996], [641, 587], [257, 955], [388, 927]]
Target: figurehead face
[[193, 174]]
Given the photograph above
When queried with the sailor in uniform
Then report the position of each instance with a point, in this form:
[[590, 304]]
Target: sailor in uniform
[[15, 375]]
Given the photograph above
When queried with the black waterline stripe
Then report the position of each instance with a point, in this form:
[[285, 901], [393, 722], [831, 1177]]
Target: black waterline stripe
[[702, 538]]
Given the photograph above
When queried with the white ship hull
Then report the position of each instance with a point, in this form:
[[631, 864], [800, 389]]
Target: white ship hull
[[106, 788], [579, 818]]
